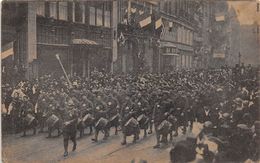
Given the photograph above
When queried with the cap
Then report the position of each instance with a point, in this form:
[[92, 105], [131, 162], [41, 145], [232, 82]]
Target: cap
[[208, 124]]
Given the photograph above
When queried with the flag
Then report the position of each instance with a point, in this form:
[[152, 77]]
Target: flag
[[158, 23], [219, 55], [7, 50], [145, 22]]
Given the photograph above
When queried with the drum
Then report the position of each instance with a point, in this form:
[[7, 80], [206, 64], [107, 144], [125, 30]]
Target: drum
[[132, 122], [114, 119], [88, 119], [142, 119], [29, 119], [69, 125], [101, 123], [52, 120], [131, 127], [164, 127]]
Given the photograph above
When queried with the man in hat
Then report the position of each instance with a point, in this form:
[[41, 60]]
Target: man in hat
[[41, 110], [157, 118], [240, 142], [70, 127]]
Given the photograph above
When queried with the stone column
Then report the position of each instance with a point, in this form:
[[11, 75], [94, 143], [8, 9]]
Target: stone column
[[114, 23], [31, 42]]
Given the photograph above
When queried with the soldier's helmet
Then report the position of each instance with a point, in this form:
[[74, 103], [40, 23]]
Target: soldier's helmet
[[226, 115], [70, 103], [25, 98], [109, 103], [178, 109], [127, 109], [243, 127], [208, 124]]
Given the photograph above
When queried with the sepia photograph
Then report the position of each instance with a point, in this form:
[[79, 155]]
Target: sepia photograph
[[130, 81]]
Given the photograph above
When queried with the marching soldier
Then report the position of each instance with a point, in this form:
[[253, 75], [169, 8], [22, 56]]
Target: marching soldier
[[100, 114], [70, 127], [158, 117], [27, 115], [42, 107]]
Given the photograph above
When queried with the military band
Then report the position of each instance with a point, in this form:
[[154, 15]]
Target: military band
[[224, 100]]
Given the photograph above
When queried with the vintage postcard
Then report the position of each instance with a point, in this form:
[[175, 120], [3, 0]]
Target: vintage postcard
[[130, 81]]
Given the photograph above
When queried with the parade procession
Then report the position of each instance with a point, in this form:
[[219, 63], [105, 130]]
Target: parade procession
[[130, 81]]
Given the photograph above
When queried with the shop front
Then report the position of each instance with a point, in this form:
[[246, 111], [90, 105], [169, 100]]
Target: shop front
[[169, 57], [88, 55]]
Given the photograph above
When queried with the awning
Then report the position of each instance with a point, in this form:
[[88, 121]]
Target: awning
[[167, 44], [84, 42], [170, 54]]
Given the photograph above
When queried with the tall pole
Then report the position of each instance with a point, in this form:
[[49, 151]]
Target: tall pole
[[58, 58]]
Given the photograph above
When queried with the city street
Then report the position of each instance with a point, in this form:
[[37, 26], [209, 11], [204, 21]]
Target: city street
[[39, 149], [109, 63]]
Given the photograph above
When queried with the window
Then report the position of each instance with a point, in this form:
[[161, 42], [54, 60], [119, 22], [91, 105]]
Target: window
[[107, 14], [63, 10], [79, 8], [176, 6], [179, 34], [191, 38], [53, 10], [92, 16], [170, 7], [40, 8], [107, 19], [188, 37], [165, 7], [184, 36], [99, 17]]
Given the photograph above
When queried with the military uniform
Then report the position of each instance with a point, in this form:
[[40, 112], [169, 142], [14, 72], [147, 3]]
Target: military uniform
[[100, 112], [158, 117], [41, 111], [27, 108], [70, 128]]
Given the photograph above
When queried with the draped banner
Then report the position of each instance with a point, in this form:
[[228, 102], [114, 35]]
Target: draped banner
[[7, 50]]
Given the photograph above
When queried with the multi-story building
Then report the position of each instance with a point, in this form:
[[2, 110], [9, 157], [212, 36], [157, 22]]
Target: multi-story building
[[166, 40], [177, 37], [219, 36], [82, 33], [112, 35], [137, 49]]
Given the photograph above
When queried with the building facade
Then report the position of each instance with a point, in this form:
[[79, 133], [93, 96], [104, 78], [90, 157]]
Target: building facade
[[137, 45], [219, 35], [121, 36], [178, 36], [167, 38], [73, 30]]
